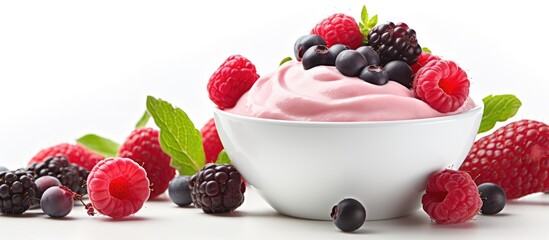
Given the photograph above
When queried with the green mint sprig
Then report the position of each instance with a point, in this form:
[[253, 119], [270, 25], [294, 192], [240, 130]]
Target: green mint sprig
[[366, 24], [223, 158], [427, 50], [284, 60], [143, 120], [498, 108], [98, 144], [178, 136]]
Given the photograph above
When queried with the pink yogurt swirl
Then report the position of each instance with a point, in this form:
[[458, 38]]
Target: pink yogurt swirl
[[323, 94]]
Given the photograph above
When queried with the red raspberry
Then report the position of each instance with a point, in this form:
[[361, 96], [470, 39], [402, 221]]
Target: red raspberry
[[442, 84], [451, 197], [76, 154], [422, 60], [143, 147], [233, 78], [516, 157], [339, 29], [210, 140], [118, 187]]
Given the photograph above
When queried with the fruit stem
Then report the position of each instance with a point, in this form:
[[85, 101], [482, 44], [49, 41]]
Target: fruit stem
[[89, 207]]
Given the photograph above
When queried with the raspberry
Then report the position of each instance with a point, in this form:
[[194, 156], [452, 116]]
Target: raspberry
[[17, 190], [231, 80], [394, 42], [339, 29], [143, 147], [515, 157], [422, 60], [451, 197], [118, 187], [76, 153], [210, 140], [442, 84], [217, 188], [69, 174]]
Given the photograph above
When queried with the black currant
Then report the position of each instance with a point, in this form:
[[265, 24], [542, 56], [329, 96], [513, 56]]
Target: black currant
[[317, 55], [305, 42], [57, 202], [336, 49], [370, 54], [374, 74], [179, 191], [400, 72], [493, 198], [350, 63], [348, 215]]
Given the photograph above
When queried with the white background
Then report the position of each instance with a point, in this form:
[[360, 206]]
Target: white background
[[68, 68]]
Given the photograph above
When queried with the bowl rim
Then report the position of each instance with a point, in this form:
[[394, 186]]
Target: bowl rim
[[479, 106]]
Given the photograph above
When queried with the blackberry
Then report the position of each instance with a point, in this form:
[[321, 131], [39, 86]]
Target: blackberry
[[69, 174], [395, 42], [217, 188], [17, 190]]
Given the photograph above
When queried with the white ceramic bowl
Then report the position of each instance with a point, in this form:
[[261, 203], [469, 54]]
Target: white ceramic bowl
[[302, 169]]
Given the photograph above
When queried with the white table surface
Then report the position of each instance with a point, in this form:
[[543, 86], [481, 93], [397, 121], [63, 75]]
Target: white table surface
[[161, 219]]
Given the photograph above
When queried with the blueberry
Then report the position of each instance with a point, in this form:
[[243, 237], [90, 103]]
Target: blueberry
[[45, 182], [374, 74], [336, 49], [493, 198], [56, 202], [370, 54], [350, 63], [400, 72], [305, 42], [179, 191], [3, 169], [317, 55], [348, 215]]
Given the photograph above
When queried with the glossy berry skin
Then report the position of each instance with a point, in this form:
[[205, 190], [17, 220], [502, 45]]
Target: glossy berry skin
[[348, 215], [400, 72], [179, 191], [3, 169], [339, 29], [45, 182], [350, 63], [305, 42], [336, 49], [57, 202], [370, 54], [395, 42], [374, 74], [17, 190], [316, 56], [75, 153], [493, 198]]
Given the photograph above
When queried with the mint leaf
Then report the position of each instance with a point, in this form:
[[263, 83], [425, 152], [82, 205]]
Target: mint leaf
[[286, 59], [427, 50], [372, 22], [498, 108], [364, 14], [223, 158], [101, 145], [144, 120], [366, 24], [178, 136]]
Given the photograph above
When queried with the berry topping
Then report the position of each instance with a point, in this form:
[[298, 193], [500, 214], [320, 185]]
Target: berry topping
[[370, 54], [69, 174], [336, 49], [57, 202], [217, 188], [210, 140], [118, 187], [305, 42], [374, 74], [395, 42], [179, 191], [442, 84], [350, 63], [45, 182], [348, 215], [339, 28], [515, 157], [422, 60], [233, 78], [400, 72], [317, 55], [76, 153], [17, 190], [493, 198], [143, 147], [451, 197]]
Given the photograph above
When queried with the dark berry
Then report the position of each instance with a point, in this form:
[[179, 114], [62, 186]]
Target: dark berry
[[217, 188], [374, 74], [69, 174], [370, 54], [493, 198], [400, 72], [317, 55], [348, 215], [179, 191], [17, 190], [45, 182], [305, 42], [57, 202], [350, 63], [395, 42], [336, 49], [3, 169]]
